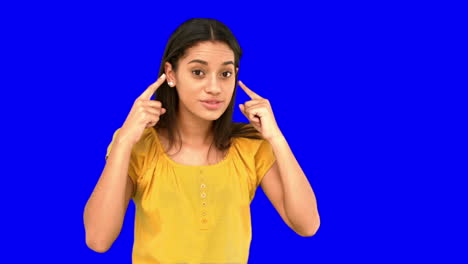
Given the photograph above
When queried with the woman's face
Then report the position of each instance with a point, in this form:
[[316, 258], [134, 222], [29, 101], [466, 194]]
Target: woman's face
[[205, 73]]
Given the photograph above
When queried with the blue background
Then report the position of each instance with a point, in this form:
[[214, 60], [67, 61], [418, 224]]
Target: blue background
[[369, 96]]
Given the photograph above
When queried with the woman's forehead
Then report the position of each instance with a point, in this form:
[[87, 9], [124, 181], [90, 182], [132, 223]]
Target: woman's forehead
[[212, 53]]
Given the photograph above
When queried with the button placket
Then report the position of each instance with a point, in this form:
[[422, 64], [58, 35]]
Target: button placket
[[203, 194]]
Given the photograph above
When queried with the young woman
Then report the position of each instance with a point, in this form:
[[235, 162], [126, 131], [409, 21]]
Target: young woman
[[191, 172]]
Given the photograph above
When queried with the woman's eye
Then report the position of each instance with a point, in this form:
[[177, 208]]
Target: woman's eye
[[196, 71]]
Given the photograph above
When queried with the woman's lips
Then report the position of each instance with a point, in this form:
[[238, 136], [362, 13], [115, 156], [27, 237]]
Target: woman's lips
[[210, 105]]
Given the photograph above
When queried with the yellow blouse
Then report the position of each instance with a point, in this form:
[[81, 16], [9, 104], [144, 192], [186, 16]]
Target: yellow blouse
[[194, 214]]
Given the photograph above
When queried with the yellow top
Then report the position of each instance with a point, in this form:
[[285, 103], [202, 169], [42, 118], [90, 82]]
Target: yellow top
[[194, 214]]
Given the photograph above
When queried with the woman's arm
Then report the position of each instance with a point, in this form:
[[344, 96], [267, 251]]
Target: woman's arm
[[105, 210], [290, 191]]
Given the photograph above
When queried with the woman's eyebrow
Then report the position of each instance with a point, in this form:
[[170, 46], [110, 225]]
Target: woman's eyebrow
[[206, 63]]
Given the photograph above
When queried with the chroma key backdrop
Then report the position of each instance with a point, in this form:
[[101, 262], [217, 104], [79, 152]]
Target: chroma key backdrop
[[369, 97]]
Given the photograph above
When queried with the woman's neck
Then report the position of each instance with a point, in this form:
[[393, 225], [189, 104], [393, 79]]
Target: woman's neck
[[195, 132]]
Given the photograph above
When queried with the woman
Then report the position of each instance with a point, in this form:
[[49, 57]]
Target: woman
[[193, 203]]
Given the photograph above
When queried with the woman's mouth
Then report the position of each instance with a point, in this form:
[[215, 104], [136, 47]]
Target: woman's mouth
[[212, 105]]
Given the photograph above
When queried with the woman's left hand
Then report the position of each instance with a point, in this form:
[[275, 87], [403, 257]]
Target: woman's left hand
[[258, 111]]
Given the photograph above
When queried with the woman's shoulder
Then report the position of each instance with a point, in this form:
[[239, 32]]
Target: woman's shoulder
[[146, 143], [246, 137]]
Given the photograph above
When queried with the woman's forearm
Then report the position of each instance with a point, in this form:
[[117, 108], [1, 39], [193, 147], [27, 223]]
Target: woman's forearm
[[105, 210]]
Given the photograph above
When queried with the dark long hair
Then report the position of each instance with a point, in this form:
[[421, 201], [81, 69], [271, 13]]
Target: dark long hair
[[187, 35]]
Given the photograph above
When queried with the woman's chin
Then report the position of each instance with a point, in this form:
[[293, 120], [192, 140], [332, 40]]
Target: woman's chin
[[212, 116]]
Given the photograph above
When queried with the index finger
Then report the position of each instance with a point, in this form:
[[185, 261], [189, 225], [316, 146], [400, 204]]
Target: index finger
[[153, 87], [249, 92]]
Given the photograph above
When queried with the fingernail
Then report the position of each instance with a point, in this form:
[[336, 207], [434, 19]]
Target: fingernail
[[163, 76]]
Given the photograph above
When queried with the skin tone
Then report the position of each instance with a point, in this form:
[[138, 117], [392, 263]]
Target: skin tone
[[196, 81]]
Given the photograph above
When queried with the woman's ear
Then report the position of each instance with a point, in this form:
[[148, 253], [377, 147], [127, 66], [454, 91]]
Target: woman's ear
[[169, 73]]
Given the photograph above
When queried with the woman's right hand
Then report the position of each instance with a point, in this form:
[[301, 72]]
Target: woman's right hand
[[144, 113]]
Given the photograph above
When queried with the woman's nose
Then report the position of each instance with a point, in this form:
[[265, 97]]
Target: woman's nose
[[213, 86]]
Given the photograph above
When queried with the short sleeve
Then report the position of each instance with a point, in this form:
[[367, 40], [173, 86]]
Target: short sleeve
[[264, 159], [139, 154]]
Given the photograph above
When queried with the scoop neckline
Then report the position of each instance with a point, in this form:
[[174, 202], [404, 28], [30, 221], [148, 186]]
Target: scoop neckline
[[163, 152]]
